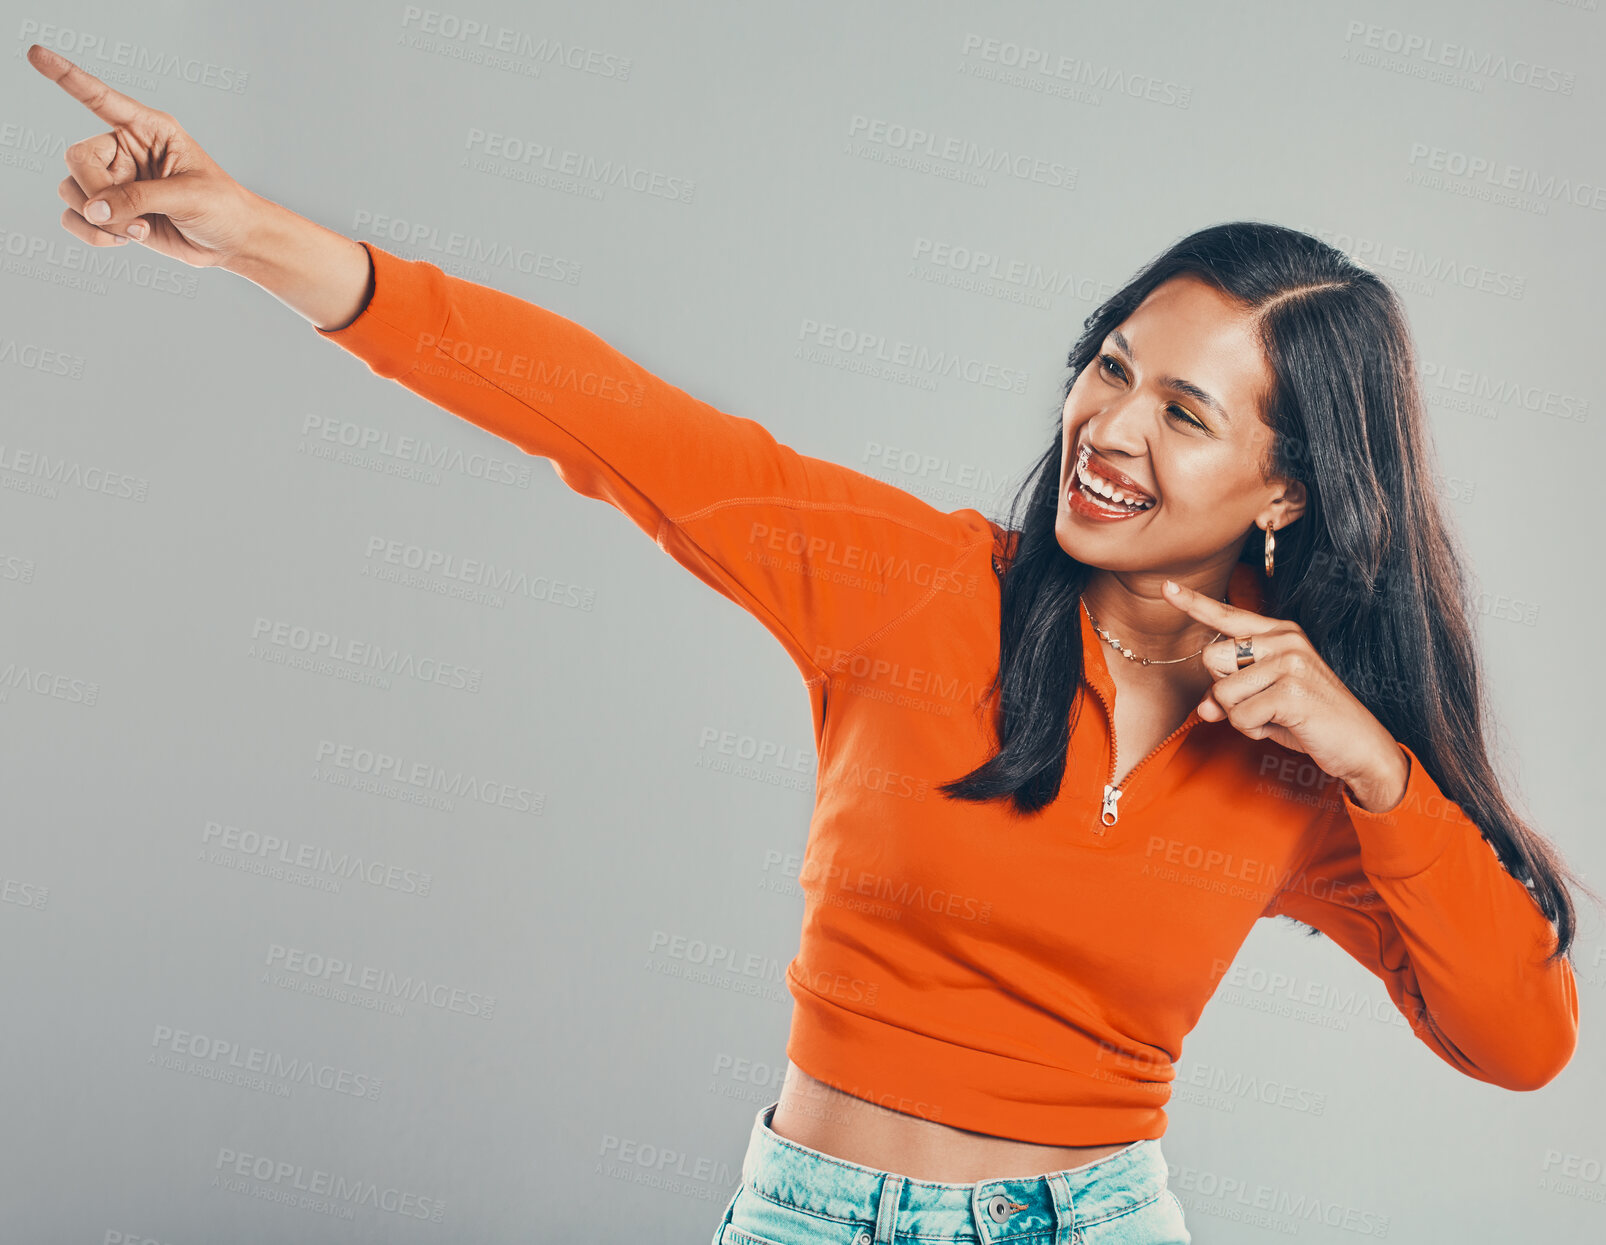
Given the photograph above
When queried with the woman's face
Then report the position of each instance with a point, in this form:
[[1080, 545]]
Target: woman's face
[[1172, 403]]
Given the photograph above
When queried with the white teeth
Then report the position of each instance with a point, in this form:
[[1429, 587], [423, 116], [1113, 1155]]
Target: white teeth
[[1105, 489]]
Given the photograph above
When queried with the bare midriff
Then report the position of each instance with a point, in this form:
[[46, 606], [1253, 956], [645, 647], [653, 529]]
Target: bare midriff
[[855, 1130]]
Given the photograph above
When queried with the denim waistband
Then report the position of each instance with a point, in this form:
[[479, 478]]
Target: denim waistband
[[1000, 1209]]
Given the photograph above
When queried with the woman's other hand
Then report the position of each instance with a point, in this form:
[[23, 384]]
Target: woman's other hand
[[1289, 695]]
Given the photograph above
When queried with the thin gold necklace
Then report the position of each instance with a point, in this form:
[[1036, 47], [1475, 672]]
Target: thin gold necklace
[[1130, 655]]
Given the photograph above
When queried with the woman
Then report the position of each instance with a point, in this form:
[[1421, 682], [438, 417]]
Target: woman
[[1222, 670]]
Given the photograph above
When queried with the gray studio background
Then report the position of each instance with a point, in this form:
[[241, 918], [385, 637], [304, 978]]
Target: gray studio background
[[597, 893]]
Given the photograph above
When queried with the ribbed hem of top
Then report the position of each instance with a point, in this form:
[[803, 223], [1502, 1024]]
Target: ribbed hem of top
[[963, 1087]]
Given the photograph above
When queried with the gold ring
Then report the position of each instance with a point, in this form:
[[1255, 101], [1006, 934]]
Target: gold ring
[[1246, 650]]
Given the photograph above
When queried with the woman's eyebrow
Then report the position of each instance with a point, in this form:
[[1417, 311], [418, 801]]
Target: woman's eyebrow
[[1175, 382]]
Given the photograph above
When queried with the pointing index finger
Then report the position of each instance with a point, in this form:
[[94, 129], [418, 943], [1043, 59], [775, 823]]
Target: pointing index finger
[[105, 102], [1227, 619]]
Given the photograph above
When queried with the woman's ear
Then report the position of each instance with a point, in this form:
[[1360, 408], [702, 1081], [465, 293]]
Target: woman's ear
[[1286, 506]]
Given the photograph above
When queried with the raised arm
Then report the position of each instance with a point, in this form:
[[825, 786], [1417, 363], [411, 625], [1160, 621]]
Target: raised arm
[[825, 557]]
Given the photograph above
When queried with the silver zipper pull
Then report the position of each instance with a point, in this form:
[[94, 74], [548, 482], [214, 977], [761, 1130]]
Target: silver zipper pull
[[1111, 795]]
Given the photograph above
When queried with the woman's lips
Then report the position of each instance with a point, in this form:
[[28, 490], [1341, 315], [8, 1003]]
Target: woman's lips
[[1078, 502], [1088, 503]]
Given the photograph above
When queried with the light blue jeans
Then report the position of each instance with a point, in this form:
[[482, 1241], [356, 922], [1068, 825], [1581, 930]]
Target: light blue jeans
[[792, 1195]]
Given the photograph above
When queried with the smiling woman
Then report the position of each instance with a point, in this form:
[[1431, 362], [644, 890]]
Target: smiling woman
[[1243, 419], [1253, 377], [1213, 465], [1306, 421], [1115, 701]]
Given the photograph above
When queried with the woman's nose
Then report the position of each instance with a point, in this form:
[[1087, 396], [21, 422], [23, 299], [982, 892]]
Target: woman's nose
[[1120, 428]]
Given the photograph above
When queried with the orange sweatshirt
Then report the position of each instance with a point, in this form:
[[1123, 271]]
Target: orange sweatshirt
[[1026, 978]]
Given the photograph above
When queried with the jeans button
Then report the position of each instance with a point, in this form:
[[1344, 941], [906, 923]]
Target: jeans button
[[998, 1208], [861, 1237]]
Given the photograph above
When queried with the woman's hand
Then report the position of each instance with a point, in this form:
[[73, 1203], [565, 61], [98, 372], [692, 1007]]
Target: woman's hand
[[1289, 695], [158, 186]]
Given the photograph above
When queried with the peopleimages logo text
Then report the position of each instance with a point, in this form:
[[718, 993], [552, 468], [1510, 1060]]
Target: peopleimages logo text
[[1458, 56], [988, 157]]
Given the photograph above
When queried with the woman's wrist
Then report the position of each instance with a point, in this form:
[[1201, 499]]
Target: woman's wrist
[[1381, 788], [322, 275]]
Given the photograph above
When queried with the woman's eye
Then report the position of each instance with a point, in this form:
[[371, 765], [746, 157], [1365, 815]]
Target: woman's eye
[[1111, 365]]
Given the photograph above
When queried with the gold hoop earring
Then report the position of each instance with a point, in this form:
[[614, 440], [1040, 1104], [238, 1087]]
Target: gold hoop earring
[[1271, 544]]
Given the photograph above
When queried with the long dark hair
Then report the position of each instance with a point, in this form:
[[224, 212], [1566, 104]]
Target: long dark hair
[[1372, 570]]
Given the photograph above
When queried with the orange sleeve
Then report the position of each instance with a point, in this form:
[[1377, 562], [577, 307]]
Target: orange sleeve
[[1418, 895], [824, 556]]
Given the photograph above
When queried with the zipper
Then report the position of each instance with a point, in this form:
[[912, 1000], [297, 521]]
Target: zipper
[[1108, 813]]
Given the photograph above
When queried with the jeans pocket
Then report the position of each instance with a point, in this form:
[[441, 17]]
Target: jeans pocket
[[757, 1220], [730, 1234], [1157, 1221]]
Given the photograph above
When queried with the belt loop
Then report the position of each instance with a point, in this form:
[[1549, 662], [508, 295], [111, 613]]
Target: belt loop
[[886, 1218], [1059, 1189]]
